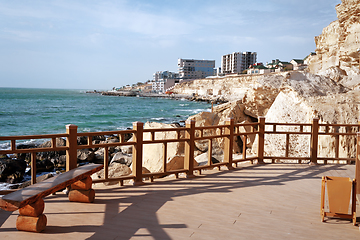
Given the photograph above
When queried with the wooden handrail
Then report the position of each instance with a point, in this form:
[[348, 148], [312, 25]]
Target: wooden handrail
[[26, 137], [189, 135], [109, 133]]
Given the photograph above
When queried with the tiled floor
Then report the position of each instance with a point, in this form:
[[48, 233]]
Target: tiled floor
[[272, 201]]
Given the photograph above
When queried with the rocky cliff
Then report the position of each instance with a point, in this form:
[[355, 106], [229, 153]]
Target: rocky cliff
[[337, 46], [329, 89]]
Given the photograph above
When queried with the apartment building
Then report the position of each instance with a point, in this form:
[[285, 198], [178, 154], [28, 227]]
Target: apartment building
[[237, 62], [195, 69], [163, 80]]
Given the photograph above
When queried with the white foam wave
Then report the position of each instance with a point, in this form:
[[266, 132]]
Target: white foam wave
[[4, 146], [158, 119], [194, 110]]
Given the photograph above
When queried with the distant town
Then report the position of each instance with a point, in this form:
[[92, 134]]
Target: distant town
[[231, 64]]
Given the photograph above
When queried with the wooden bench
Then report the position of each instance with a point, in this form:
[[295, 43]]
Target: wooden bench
[[29, 201]]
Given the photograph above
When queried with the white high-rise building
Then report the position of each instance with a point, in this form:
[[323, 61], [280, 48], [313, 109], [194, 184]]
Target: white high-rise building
[[237, 62], [162, 80], [195, 69]]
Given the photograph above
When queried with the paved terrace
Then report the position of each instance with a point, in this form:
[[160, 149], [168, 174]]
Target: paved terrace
[[272, 201]]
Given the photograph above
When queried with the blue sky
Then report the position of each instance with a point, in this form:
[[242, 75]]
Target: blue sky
[[103, 44]]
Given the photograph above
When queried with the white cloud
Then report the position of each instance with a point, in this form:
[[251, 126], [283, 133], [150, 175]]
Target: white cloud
[[22, 35], [292, 39], [141, 22]]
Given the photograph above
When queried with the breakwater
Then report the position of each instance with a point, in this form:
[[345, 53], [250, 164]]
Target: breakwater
[[192, 97]]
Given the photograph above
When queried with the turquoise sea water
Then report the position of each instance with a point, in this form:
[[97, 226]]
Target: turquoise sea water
[[47, 111]]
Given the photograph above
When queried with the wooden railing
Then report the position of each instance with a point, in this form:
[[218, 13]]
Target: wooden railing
[[189, 135], [314, 131]]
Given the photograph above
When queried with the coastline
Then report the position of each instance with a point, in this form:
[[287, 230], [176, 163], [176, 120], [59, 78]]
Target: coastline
[[174, 96]]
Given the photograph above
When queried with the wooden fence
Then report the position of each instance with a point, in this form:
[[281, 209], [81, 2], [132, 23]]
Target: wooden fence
[[189, 135]]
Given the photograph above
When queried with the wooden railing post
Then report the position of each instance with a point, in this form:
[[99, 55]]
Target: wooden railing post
[[71, 143], [189, 148], [261, 140], [314, 141], [357, 163], [229, 142], [33, 167], [138, 152]]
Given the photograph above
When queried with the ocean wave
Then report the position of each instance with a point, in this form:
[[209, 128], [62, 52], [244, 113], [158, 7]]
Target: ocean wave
[[158, 119], [4, 186], [193, 110], [4, 146]]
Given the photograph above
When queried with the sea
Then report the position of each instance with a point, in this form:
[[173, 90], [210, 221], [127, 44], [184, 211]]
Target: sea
[[30, 111]]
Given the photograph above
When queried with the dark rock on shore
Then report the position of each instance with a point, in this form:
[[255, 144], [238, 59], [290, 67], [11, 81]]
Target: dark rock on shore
[[127, 136], [38, 179], [45, 165], [59, 163], [48, 155], [85, 155], [12, 171], [25, 156], [82, 140]]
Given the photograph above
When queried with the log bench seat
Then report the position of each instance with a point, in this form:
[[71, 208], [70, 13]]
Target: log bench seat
[[29, 201]]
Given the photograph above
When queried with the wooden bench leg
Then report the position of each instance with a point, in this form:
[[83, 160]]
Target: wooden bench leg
[[31, 218], [81, 191]]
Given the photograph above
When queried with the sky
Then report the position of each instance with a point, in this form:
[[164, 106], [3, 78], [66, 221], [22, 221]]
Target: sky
[[75, 44]]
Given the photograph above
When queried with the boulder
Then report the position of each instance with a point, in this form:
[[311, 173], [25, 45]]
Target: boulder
[[205, 119], [59, 162], [25, 156], [45, 165], [122, 158], [48, 155], [82, 140], [99, 156], [38, 179], [11, 170], [60, 142], [85, 155], [153, 153], [126, 149], [177, 162], [203, 159], [115, 170], [99, 138], [221, 113]]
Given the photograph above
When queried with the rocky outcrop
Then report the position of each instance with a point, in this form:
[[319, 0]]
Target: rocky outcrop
[[228, 88], [339, 42], [292, 107]]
